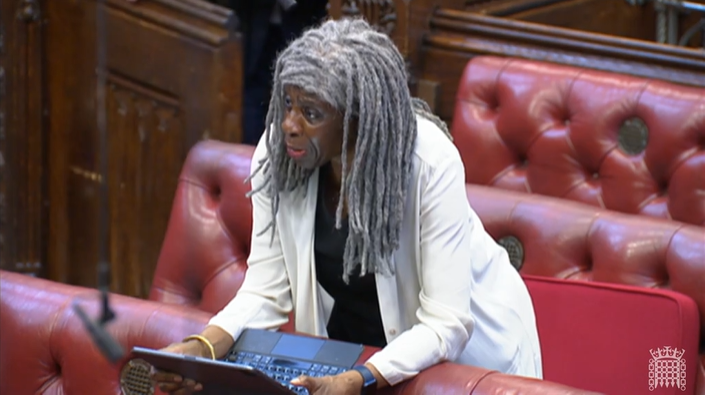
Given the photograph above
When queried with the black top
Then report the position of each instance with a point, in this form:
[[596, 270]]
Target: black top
[[355, 316]]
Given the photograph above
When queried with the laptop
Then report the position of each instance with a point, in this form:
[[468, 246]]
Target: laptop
[[260, 362]]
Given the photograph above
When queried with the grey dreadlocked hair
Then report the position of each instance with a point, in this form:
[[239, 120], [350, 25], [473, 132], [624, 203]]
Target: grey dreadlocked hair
[[360, 72]]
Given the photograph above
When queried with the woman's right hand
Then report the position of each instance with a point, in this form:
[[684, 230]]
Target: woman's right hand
[[174, 384]]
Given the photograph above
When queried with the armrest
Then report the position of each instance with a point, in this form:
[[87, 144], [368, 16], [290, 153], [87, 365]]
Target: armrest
[[44, 347], [451, 378]]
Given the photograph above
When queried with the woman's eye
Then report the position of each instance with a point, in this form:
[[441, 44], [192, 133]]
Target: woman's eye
[[312, 115], [287, 102]]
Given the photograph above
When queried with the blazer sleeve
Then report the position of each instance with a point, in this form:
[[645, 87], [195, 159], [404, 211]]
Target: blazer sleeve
[[264, 299], [445, 274]]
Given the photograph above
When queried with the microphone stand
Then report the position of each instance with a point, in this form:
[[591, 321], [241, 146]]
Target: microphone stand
[[109, 347]]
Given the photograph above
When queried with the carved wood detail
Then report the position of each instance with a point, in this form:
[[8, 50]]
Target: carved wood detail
[[379, 13], [405, 21]]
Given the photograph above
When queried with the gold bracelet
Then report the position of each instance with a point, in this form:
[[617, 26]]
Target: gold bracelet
[[202, 340]]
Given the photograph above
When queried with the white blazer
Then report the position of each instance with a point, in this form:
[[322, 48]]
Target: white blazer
[[454, 295]]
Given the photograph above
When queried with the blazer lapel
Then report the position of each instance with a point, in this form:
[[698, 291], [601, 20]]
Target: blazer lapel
[[308, 303]]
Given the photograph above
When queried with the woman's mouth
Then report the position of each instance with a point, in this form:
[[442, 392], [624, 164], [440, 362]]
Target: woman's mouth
[[295, 153]]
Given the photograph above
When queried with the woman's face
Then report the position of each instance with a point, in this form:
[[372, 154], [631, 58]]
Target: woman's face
[[313, 129]]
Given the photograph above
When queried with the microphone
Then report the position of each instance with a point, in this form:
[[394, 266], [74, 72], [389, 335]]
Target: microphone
[[108, 346]]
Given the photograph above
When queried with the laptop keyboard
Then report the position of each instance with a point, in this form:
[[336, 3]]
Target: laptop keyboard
[[283, 370]]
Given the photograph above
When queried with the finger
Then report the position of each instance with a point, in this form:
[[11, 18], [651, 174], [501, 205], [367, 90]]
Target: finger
[[190, 384], [166, 377], [169, 387], [310, 383]]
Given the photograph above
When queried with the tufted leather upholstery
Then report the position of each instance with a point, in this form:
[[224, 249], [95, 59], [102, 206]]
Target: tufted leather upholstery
[[210, 223], [553, 130], [203, 258], [569, 240], [44, 350]]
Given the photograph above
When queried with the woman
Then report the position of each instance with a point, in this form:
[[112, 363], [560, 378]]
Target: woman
[[362, 227]]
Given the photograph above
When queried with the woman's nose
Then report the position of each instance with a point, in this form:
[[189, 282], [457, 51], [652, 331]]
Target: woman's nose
[[291, 125]]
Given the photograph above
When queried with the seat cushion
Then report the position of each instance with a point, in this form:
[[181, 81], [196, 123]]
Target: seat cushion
[[612, 338]]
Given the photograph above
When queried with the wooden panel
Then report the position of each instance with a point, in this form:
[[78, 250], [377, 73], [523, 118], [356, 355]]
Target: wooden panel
[[73, 187], [5, 258], [611, 17], [444, 68], [165, 74], [145, 136], [22, 194], [457, 36]]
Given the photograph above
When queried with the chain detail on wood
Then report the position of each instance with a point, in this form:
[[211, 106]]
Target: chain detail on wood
[[380, 13]]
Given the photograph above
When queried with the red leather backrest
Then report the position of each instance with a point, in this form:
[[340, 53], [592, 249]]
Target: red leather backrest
[[569, 240], [204, 255], [600, 336], [555, 130]]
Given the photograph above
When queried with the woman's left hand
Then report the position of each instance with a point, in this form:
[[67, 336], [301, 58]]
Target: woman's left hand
[[348, 383]]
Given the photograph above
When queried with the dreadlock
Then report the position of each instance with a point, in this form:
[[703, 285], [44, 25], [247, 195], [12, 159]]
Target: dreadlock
[[360, 72]]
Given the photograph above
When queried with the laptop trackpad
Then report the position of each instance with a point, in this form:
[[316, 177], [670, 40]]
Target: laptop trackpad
[[299, 347], [278, 344]]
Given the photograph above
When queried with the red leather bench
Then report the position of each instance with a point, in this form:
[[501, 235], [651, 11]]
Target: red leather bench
[[556, 238], [210, 220], [609, 140], [552, 237], [44, 348]]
